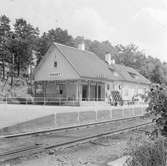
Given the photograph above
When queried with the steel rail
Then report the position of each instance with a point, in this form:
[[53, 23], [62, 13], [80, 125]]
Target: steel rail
[[37, 148], [100, 135]]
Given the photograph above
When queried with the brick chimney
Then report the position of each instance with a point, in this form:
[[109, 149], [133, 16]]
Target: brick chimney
[[108, 59]]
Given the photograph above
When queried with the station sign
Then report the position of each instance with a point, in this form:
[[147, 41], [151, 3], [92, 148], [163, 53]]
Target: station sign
[[56, 74]]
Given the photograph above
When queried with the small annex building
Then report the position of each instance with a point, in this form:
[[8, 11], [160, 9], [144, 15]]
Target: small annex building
[[72, 76]]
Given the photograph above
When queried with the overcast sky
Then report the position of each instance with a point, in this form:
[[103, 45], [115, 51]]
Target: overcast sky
[[142, 22]]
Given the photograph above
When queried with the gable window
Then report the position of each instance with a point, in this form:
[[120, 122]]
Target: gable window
[[55, 64]]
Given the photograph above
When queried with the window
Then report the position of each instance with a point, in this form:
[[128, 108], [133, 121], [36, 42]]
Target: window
[[55, 64], [61, 89], [39, 88]]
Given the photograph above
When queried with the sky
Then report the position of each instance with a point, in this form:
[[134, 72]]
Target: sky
[[139, 22]]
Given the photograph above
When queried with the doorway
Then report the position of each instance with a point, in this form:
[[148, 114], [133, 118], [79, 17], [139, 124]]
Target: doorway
[[84, 92], [99, 93]]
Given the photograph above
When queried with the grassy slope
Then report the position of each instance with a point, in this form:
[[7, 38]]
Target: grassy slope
[[19, 89]]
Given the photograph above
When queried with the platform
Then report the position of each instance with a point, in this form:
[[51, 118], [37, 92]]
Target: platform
[[24, 118]]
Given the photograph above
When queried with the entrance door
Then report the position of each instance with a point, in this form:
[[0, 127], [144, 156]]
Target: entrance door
[[84, 92]]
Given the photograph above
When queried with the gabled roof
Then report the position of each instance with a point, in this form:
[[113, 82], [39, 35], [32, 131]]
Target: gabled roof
[[130, 74], [86, 63]]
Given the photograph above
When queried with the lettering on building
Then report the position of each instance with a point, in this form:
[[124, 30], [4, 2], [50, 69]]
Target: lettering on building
[[56, 74]]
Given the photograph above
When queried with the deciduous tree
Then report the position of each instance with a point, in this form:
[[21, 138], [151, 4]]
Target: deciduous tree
[[4, 34]]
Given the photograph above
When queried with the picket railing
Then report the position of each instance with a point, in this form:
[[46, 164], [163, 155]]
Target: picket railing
[[64, 101]]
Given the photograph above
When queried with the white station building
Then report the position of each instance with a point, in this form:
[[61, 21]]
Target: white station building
[[71, 76]]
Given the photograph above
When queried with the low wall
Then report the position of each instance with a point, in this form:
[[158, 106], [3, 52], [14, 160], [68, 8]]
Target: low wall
[[25, 118], [99, 115]]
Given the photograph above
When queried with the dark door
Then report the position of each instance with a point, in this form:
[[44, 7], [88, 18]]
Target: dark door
[[99, 93], [84, 92]]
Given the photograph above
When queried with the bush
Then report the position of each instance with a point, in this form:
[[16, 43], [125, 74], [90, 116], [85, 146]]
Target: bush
[[146, 152], [158, 107]]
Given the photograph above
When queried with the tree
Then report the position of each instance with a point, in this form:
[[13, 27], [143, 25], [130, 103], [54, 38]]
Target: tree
[[99, 48], [23, 42], [54, 35], [4, 34], [129, 56]]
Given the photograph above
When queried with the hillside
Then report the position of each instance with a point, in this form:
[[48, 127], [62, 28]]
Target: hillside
[[20, 88]]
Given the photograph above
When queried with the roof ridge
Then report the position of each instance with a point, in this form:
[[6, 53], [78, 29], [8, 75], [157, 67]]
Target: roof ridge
[[73, 48]]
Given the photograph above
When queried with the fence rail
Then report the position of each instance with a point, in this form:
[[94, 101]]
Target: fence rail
[[64, 101]]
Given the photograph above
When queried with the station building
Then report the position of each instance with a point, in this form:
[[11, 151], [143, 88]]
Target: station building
[[72, 76]]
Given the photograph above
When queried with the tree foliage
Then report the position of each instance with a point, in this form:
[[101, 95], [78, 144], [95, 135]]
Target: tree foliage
[[54, 35], [158, 107], [18, 41], [23, 43], [4, 35]]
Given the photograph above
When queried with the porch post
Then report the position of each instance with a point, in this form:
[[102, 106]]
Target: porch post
[[65, 89], [44, 90], [77, 89], [97, 95]]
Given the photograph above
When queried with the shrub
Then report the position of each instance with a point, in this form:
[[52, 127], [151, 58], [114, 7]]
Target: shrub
[[146, 152], [158, 107]]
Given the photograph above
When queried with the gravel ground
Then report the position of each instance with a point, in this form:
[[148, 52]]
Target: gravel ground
[[97, 153]]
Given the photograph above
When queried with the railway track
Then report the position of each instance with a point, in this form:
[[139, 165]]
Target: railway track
[[37, 148]]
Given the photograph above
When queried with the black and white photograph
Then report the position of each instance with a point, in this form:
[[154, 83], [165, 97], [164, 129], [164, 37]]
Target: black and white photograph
[[83, 82]]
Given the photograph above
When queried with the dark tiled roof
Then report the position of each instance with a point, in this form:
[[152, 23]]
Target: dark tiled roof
[[86, 63], [130, 74]]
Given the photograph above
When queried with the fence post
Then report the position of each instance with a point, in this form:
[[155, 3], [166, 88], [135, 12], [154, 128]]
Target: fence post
[[73, 101]]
